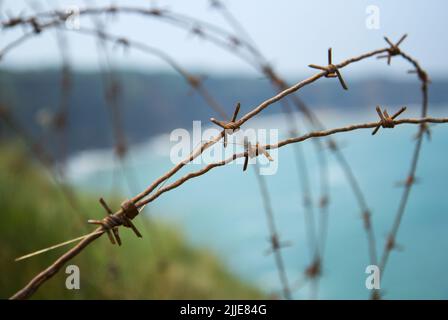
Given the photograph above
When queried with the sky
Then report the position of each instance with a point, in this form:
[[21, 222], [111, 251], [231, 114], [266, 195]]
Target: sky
[[291, 35]]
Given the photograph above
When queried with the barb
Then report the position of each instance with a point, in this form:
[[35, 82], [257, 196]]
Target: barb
[[229, 127], [253, 151], [111, 222], [394, 50], [386, 120], [331, 71]]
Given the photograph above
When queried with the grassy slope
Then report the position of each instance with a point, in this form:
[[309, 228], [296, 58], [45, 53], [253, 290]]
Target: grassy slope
[[159, 266]]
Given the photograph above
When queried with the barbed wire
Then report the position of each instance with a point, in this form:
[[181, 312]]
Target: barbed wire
[[119, 218], [332, 70]]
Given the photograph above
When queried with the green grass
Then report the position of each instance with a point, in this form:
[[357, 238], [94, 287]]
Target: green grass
[[35, 214]]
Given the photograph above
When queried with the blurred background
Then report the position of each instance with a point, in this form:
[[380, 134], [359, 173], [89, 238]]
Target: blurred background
[[88, 105]]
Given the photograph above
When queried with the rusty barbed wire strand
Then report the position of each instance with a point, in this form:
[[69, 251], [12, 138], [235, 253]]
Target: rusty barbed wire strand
[[304, 181], [410, 180], [365, 211], [230, 128], [314, 123], [300, 160], [276, 245], [281, 84], [112, 94], [244, 39], [36, 29], [244, 119], [214, 104], [317, 260], [112, 90], [57, 17], [314, 134], [45, 275], [61, 119], [192, 81], [331, 71], [109, 81]]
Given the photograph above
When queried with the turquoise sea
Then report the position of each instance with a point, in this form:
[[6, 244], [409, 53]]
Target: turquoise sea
[[223, 210]]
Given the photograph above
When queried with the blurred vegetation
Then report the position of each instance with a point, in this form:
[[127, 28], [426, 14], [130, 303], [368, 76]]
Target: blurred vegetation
[[160, 266]]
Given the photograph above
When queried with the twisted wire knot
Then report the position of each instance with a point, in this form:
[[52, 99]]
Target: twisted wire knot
[[252, 151], [393, 50], [366, 218], [324, 201], [386, 121], [156, 12], [331, 70], [422, 76], [123, 41], [112, 221], [314, 270], [195, 82], [229, 127], [130, 210], [276, 244], [36, 26], [391, 244], [12, 22], [408, 182]]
